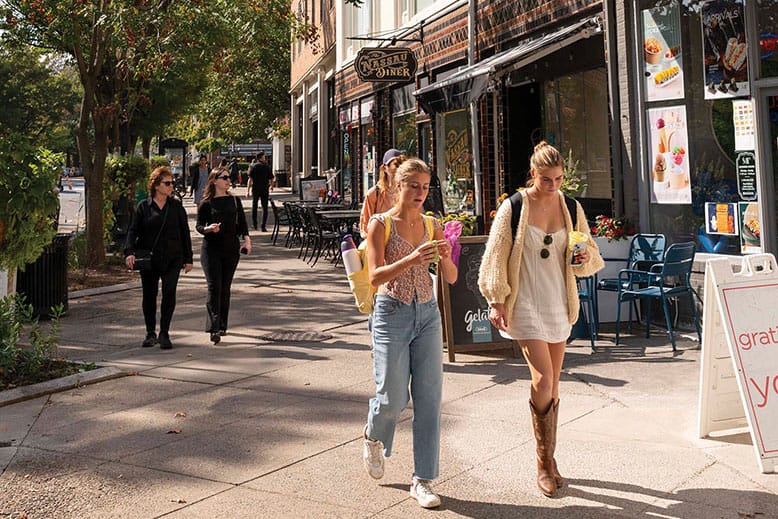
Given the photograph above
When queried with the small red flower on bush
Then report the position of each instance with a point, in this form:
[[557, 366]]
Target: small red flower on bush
[[613, 228]]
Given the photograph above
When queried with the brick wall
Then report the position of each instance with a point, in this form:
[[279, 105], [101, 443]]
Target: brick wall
[[312, 53]]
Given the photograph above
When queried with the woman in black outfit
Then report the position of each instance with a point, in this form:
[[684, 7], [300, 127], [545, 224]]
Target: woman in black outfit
[[160, 225], [220, 219]]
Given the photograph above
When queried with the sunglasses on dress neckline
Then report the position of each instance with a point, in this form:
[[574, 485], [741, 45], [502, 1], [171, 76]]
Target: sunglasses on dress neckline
[[547, 240]]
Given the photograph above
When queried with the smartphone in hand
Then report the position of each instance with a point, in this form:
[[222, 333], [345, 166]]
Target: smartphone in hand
[[244, 250]]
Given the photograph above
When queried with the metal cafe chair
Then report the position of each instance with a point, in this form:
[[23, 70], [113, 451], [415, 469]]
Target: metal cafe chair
[[587, 295], [644, 251], [280, 217], [666, 280]]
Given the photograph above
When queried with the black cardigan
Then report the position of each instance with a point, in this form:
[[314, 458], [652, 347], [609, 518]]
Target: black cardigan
[[175, 242]]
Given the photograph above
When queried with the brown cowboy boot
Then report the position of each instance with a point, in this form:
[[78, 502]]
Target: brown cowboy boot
[[542, 425], [560, 481]]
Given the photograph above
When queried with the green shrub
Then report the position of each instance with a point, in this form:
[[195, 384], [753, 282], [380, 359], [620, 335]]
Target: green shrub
[[35, 361]]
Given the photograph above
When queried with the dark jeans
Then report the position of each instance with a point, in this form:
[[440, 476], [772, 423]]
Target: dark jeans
[[150, 282], [219, 266], [265, 195]]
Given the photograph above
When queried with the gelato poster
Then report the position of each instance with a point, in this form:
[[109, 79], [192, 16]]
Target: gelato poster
[[750, 235], [669, 152], [726, 64], [663, 70]]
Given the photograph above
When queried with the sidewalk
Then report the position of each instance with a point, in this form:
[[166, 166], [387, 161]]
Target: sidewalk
[[268, 423]]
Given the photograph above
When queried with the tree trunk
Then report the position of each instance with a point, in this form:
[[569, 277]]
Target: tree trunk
[[146, 147]]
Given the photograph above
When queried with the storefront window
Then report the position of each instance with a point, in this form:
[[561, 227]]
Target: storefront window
[[767, 26], [576, 121], [454, 152], [691, 142], [405, 133]]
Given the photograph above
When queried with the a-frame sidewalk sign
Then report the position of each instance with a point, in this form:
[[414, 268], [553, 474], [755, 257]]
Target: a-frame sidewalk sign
[[739, 364]]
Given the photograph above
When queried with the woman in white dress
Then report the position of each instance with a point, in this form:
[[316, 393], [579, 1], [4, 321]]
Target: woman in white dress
[[527, 278]]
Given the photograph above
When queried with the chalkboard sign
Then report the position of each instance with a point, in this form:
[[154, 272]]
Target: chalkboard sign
[[465, 311]]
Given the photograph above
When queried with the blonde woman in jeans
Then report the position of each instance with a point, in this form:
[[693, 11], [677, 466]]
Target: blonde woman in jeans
[[407, 331]]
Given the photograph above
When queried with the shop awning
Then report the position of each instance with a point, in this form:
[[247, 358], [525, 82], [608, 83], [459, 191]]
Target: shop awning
[[468, 84]]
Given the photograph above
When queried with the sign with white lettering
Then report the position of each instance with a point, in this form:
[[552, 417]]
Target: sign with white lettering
[[747, 319], [745, 168], [465, 311], [385, 64]]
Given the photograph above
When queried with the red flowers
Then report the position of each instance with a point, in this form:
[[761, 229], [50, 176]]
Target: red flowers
[[613, 228]]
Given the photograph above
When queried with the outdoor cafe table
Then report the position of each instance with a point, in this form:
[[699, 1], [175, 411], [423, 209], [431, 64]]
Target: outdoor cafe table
[[344, 220]]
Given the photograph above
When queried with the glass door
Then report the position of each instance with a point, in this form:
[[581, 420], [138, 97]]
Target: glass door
[[769, 165]]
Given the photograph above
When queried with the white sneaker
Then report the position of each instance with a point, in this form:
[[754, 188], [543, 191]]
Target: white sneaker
[[421, 491], [373, 457]]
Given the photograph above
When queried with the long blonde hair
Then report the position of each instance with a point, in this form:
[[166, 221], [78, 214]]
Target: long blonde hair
[[210, 190], [544, 156]]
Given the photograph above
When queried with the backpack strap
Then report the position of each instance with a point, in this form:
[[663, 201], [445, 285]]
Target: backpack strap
[[387, 228], [429, 222], [517, 199]]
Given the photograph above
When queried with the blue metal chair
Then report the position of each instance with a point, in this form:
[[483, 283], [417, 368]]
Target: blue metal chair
[[666, 280], [644, 251], [587, 295]]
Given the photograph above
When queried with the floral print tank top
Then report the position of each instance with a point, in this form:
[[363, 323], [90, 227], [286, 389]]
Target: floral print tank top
[[415, 281]]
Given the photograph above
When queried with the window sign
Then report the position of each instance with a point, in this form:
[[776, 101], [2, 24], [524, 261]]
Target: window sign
[[669, 146], [721, 219], [725, 55], [745, 167], [743, 121], [662, 64], [750, 228]]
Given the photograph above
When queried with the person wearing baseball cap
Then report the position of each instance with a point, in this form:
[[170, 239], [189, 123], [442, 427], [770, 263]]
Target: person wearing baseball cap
[[381, 197]]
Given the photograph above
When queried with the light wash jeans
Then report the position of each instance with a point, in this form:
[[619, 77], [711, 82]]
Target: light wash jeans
[[408, 348]]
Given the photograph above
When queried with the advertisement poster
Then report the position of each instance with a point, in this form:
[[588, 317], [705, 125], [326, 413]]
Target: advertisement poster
[[726, 63], [750, 235], [669, 155], [663, 68], [743, 121], [721, 218]]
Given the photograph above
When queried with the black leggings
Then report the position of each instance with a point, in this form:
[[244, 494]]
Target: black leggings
[[219, 266], [150, 282], [265, 196]]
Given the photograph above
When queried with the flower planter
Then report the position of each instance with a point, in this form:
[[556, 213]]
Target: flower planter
[[615, 254]]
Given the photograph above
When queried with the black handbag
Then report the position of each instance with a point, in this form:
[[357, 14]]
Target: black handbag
[[144, 259]]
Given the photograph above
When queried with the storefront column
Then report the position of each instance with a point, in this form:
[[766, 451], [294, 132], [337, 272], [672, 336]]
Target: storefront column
[[323, 122]]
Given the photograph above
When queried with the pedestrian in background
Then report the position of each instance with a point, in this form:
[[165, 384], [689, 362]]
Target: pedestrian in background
[[260, 184], [532, 292], [199, 175], [234, 172], [407, 332], [221, 221], [160, 225], [381, 197]]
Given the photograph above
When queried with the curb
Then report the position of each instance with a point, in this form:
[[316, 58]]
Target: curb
[[103, 290], [19, 394]]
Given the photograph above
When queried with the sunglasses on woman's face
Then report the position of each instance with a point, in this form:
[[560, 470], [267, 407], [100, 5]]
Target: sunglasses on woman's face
[[223, 177], [548, 240], [166, 182]]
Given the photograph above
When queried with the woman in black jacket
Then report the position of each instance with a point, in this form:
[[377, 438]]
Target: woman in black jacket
[[221, 221], [160, 226]]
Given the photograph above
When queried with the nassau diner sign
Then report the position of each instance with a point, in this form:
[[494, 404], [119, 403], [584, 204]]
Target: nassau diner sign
[[379, 64]]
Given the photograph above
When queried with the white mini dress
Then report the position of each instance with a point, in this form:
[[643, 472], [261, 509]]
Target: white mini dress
[[541, 306]]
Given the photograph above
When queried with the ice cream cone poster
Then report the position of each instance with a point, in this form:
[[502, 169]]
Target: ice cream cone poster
[[725, 54], [750, 229], [669, 155], [662, 64]]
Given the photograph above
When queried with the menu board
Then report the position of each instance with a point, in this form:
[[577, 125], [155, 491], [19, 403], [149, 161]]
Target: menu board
[[465, 311], [662, 63], [726, 52], [669, 152]]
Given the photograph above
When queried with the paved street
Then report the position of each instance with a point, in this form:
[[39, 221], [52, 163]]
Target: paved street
[[268, 423]]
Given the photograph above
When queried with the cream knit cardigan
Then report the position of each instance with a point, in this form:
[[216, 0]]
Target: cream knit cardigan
[[498, 277]]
